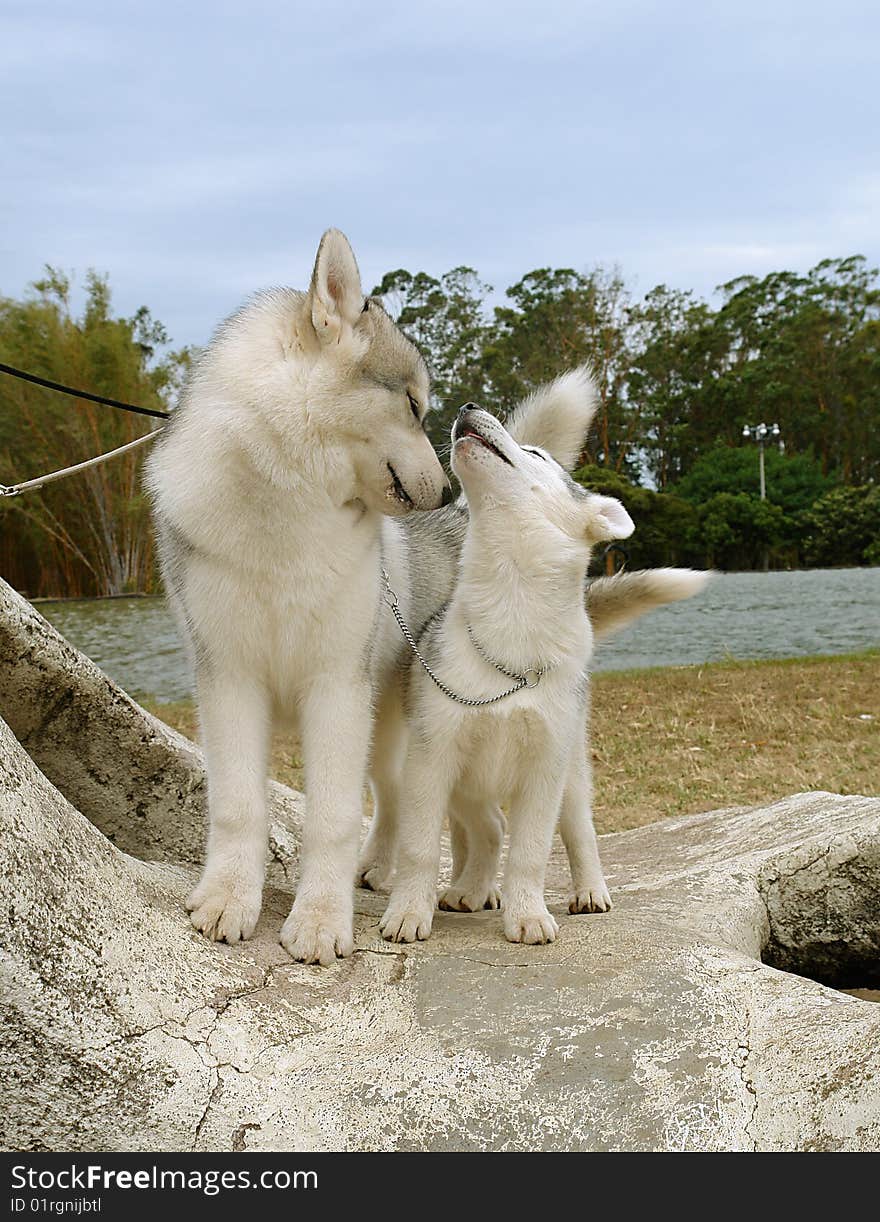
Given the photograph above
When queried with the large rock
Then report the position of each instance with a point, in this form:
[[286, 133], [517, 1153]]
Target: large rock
[[141, 783], [655, 1027]]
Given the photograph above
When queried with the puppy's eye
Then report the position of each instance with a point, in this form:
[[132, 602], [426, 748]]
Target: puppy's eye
[[537, 453], [414, 407]]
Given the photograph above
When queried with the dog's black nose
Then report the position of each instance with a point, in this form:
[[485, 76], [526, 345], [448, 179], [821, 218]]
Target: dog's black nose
[[467, 407], [446, 499]]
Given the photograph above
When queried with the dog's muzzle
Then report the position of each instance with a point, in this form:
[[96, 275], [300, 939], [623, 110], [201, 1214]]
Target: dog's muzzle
[[461, 419], [471, 422], [397, 490]]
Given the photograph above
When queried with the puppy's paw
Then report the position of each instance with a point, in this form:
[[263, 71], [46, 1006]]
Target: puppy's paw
[[533, 928], [375, 876], [317, 935], [590, 899], [225, 910], [406, 922], [457, 899]]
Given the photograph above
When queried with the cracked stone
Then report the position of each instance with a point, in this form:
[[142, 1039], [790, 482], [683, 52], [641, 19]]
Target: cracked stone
[[674, 1022]]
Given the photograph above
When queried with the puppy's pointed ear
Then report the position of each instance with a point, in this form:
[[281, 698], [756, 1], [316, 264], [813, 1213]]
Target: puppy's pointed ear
[[557, 416], [336, 296], [607, 519]]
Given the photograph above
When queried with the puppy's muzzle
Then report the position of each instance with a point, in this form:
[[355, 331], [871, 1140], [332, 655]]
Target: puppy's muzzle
[[461, 419], [472, 421]]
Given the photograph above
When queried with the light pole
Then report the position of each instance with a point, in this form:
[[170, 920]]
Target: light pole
[[760, 433]]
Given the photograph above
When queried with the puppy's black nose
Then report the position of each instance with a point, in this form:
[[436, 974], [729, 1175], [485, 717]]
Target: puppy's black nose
[[467, 407], [446, 499]]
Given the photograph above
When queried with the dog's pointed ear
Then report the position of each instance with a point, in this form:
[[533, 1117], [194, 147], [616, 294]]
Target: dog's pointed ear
[[336, 297], [557, 416], [607, 519]]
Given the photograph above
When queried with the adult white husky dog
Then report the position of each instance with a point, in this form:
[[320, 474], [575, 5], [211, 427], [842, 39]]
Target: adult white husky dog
[[301, 426], [276, 490], [497, 701]]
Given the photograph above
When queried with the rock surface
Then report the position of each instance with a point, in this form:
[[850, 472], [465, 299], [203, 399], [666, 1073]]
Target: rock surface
[[655, 1027]]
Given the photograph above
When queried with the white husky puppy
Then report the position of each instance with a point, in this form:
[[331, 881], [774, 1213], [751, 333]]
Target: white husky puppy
[[516, 623], [300, 426], [422, 555]]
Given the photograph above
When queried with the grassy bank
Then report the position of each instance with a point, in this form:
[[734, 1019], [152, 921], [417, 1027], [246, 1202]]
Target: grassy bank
[[678, 741]]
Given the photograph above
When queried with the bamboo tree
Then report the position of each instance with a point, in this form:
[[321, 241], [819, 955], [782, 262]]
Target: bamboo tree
[[88, 534]]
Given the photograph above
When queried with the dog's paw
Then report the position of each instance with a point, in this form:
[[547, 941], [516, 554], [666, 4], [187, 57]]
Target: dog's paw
[[375, 877], [533, 928], [224, 911], [406, 923], [457, 899], [317, 936], [590, 899]]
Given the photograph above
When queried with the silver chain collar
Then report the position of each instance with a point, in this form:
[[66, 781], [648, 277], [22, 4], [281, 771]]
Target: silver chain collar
[[530, 679]]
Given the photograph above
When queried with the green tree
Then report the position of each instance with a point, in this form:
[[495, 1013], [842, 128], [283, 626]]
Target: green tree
[[805, 351], [446, 320], [676, 354], [87, 534], [734, 530], [843, 528], [558, 318], [793, 481]]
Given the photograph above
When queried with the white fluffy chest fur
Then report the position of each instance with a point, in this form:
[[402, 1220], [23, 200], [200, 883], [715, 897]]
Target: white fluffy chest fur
[[271, 485], [494, 748], [249, 577]]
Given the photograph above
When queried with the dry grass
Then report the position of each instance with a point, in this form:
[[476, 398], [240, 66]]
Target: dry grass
[[689, 739], [678, 741]]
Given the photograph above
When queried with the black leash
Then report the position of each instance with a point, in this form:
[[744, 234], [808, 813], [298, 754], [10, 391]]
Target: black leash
[[81, 394]]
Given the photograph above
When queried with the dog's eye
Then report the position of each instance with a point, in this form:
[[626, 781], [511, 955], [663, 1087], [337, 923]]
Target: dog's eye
[[537, 453], [414, 407]]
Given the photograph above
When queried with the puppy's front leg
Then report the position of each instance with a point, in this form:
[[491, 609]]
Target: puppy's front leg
[[477, 838], [336, 726], [589, 890], [235, 729], [533, 817], [410, 911], [376, 866]]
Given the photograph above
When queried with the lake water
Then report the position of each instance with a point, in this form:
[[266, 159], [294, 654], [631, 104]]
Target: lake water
[[740, 615]]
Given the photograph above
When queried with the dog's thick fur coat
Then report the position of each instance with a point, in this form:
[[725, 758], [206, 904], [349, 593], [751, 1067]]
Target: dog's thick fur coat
[[300, 426], [517, 608], [283, 483]]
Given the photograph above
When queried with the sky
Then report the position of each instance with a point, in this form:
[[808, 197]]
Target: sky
[[195, 152]]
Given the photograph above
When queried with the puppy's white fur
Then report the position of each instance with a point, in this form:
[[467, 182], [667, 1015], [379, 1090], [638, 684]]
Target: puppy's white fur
[[520, 593]]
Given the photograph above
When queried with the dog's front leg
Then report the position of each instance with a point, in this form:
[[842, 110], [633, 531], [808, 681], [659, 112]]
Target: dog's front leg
[[410, 911], [533, 816], [589, 890], [336, 727], [235, 729], [376, 867], [477, 833]]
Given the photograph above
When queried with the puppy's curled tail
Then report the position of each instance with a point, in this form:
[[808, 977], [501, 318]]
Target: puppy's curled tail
[[613, 602]]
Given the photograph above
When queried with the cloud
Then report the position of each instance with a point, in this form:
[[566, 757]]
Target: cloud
[[196, 152], [36, 43]]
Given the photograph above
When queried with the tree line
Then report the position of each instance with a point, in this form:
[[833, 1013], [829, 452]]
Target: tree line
[[678, 379], [88, 534]]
